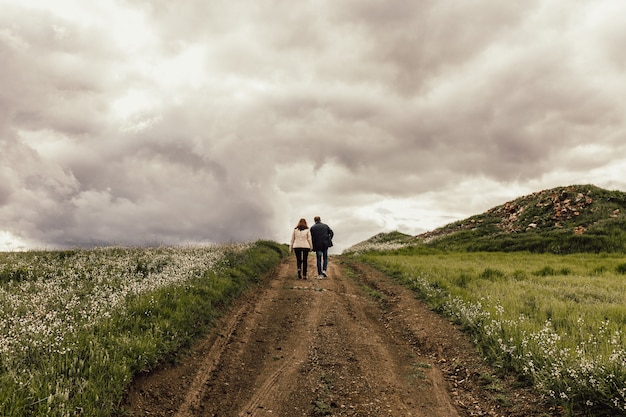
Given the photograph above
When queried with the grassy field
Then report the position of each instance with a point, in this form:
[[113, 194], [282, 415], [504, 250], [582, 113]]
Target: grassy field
[[555, 321], [75, 326]]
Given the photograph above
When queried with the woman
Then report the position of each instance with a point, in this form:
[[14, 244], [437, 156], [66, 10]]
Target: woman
[[301, 244]]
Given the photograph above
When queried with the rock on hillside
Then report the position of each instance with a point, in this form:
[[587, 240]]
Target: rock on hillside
[[576, 208]]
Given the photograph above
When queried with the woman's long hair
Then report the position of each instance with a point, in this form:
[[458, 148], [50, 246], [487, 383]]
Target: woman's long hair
[[302, 224]]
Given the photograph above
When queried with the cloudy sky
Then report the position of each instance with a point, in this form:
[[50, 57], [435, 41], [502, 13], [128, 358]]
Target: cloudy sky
[[142, 122]]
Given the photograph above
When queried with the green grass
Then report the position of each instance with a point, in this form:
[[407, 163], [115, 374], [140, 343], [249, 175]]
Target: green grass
[[556, 321], [76, 326]]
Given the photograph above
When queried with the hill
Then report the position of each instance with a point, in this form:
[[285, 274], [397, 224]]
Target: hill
[[570, 219]]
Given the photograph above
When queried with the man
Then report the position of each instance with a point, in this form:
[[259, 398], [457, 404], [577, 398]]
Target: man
[[322, 236]]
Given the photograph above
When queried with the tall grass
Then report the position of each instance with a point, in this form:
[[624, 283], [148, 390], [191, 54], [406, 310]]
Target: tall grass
[[75, 326], [557, 322]]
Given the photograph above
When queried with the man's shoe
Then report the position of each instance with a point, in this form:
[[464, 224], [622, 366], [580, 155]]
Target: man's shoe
[[320, 276], [325, 274]]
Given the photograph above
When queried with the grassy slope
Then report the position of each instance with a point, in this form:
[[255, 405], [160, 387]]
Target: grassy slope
[[571, 219]]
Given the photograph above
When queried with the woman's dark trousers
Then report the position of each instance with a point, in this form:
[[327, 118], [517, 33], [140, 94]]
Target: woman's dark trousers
[[301, 260]]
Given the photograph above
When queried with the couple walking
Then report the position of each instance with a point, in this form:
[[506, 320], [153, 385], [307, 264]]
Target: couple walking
[[318, 238]]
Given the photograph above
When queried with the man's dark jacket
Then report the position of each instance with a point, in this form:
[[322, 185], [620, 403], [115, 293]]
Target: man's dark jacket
[[321, 235]]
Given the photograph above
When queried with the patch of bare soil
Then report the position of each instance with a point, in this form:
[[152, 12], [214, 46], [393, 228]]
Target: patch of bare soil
[[352, 344]]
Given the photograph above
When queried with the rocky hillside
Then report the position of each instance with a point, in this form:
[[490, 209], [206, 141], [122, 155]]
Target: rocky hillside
[[564, 219], [576, 207], [576, 218]]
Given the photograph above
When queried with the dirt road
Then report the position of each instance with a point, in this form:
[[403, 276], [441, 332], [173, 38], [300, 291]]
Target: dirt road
[[354, 344]]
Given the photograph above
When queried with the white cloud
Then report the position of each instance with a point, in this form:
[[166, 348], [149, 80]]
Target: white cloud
[[141, 122]]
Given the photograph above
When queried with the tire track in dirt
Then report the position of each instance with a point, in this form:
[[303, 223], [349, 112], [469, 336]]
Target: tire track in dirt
[[336, 357], [273, 389], [196, 389], [368, 373], [266, 350], [354, 344]]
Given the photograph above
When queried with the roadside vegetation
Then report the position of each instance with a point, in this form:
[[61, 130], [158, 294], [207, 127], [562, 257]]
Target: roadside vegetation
[[539, 284], [77, 325], [557, 322]]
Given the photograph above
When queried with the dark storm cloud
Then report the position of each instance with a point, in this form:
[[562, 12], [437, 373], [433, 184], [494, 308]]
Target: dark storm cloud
[[143, 122]]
